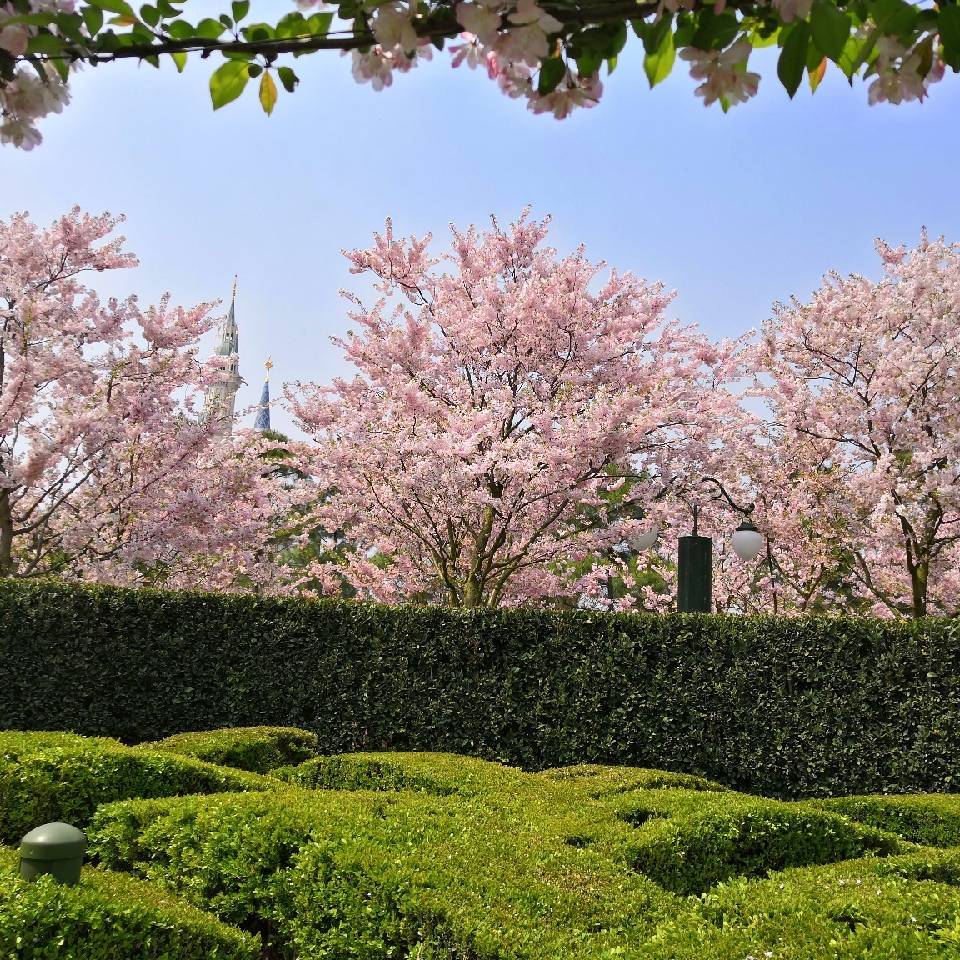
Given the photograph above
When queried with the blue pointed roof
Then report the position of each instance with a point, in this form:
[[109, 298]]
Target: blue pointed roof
[[262, 421]]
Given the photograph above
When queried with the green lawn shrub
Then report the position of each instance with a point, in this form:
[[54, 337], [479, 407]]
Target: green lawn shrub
[[785, 707], [108, 916], [858, 910], [930, 819], [390, 859], [377, 874], [438, 773], [15, 743], [598, 780], [40, 783], [257, 749]]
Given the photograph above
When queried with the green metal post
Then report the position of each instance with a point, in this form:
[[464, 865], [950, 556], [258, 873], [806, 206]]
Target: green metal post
[[695, 575]]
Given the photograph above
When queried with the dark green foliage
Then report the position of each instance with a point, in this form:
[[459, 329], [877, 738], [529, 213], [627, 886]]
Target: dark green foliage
[[788, 707], [930, 819], [42, 782], [108, 917], [858, 910], [257, 749], [437, 773]]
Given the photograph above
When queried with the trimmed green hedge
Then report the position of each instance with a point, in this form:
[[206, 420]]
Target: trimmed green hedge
[[786, 707], [930, 819], [859, 910], [40, 782], [257, 749], [108, 916], [448, 858]]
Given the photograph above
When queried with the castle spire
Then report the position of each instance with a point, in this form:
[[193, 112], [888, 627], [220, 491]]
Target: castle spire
[[221, 398], [262, 422]]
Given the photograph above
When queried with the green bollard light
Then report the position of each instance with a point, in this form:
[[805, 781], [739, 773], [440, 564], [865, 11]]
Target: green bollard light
[[55, 849]]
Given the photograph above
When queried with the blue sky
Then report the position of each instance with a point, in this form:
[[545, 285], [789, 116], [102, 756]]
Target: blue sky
[[733, 211]]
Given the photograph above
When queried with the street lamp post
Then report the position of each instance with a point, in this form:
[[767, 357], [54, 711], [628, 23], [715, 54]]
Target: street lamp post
[[695, 556], [695, 571]]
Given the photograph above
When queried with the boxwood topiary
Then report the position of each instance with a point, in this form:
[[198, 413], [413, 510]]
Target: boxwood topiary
[[40, 783], [257, 749], [108, 916], [859, 910]]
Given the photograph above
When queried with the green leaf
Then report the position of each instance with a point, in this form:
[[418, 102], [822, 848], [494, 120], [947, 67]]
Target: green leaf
[[654, 34], [180, 59], [150, 15], [319, 24], [254, 70], [715, 32], [180, 30], [227, 82], [894, 17], [793, 57], [268, 93], [115, 6], [552, 71], [659, 63], [258, 31], [45, 43], [288, 78], [240, 9], [209, 29], [93, 18], [851, 58], [949, 27], [830, 28], [226, 21]]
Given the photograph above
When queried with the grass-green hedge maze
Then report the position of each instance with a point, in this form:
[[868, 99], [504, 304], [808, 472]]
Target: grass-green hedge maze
[[46, 777], [108, 916], [257, 749], [789, 707], [381, 856]]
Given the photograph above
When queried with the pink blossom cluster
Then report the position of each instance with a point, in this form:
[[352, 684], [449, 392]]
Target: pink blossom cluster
[[108, 469], [509, 40], [29, 96], [506, 391]]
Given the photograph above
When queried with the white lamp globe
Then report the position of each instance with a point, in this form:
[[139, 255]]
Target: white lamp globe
[[747, 541], [645, 539]]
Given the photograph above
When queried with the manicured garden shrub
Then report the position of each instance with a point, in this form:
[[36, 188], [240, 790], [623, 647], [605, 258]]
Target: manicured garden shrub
[[14, 743], [257, 749], [438, 773], [858, 910], [391, 858], [108, 916], [930, 819], [42, 783], [374, 874], [597, 780], [789, 707], [688, 845]]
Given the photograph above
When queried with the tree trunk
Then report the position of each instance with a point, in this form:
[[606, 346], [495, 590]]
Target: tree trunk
[[6, 535]]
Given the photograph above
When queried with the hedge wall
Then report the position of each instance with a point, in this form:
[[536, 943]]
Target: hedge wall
[[789, 707]]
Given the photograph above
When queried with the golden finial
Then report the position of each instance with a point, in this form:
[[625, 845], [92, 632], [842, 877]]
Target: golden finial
[[268, 365]]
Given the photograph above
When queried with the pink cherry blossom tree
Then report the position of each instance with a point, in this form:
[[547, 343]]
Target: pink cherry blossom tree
[[496, 404], [865, 379], [108, 470]]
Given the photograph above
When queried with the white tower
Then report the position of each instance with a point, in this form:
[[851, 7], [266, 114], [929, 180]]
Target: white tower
[[221, 399]]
